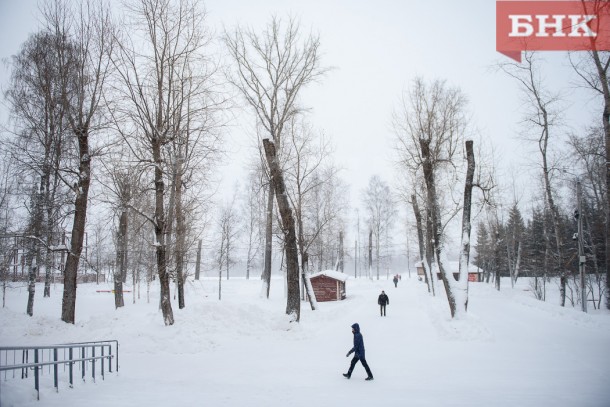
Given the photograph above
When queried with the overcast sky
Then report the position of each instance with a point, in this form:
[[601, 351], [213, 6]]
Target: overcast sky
[[376, 49]]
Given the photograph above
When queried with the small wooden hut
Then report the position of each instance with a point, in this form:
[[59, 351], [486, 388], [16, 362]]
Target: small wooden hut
[[329, 285]]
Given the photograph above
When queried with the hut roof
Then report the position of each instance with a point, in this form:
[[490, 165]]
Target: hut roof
[[337, 275]]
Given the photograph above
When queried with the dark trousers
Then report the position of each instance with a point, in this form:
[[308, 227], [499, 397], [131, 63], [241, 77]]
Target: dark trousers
[[363, 361], [382, 309]]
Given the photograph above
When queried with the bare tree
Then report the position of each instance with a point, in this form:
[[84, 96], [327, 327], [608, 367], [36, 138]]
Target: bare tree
[[270, 70], [166, 109], [379, 205], [542, 118], [429, 124], [40, 146], [230, 227], [83, 39], [8, 180], [324, 216], [253, 204]]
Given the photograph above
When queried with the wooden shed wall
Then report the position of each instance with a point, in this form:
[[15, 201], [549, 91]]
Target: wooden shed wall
[[328, 289]]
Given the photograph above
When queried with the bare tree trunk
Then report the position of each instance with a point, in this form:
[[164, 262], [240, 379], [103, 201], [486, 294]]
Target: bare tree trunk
[[293, 306], [180, 236], [370, 254], [268, 240], [311, 295], [49, 229], [422, 245], [32, 244], [31, 267], [429, 255], [198, 265], [434, 210], [78, 226], [517, 263], [466, 229], [121, 266], [554, 216], [313, 303], [377, 252], [220, 257], [48, 267], [228, 251], [159, 225]]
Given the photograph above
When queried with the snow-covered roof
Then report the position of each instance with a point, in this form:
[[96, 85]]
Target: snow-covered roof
[[337, 275]]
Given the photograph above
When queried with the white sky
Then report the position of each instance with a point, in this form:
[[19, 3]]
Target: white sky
[[376, 50]]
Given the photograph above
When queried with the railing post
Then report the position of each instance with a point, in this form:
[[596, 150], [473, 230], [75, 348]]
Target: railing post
[[71, 364], [93, 363], [102, 360], [110, 358], [24, 360], [82, 356], [36, 383], [55, 370]]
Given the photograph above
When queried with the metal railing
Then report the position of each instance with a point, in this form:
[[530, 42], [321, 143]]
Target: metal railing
[[81, 356]]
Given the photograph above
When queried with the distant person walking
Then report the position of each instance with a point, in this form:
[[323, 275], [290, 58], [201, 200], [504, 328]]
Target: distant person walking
[[383, 300], [395, 281], [358, 351]]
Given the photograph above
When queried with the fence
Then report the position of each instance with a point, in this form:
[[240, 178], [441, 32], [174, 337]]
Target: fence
[[16, 361]]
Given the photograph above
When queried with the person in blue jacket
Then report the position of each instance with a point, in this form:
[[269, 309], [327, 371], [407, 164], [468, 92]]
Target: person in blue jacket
[[358, 351]]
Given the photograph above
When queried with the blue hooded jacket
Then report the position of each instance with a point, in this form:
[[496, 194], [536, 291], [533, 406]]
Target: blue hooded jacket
[[358, 342]]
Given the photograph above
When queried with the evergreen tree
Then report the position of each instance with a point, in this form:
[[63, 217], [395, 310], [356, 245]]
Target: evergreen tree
[[514, 242]]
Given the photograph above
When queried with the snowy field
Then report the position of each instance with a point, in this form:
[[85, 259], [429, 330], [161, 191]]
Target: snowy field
[[511, 350]]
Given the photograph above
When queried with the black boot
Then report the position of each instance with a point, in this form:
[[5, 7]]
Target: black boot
[[369, 378], [346, 375]]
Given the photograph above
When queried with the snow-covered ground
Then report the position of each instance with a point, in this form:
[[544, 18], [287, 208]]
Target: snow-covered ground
[[511, 350]]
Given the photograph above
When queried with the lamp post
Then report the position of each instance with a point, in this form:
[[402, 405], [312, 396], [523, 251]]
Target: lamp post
[[581, 252]]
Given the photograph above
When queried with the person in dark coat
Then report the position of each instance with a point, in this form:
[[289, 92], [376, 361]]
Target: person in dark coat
[[358, 351], [395, 281], [383, 301]]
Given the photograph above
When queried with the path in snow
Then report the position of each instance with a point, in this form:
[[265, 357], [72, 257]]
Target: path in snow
[[511, 350]]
